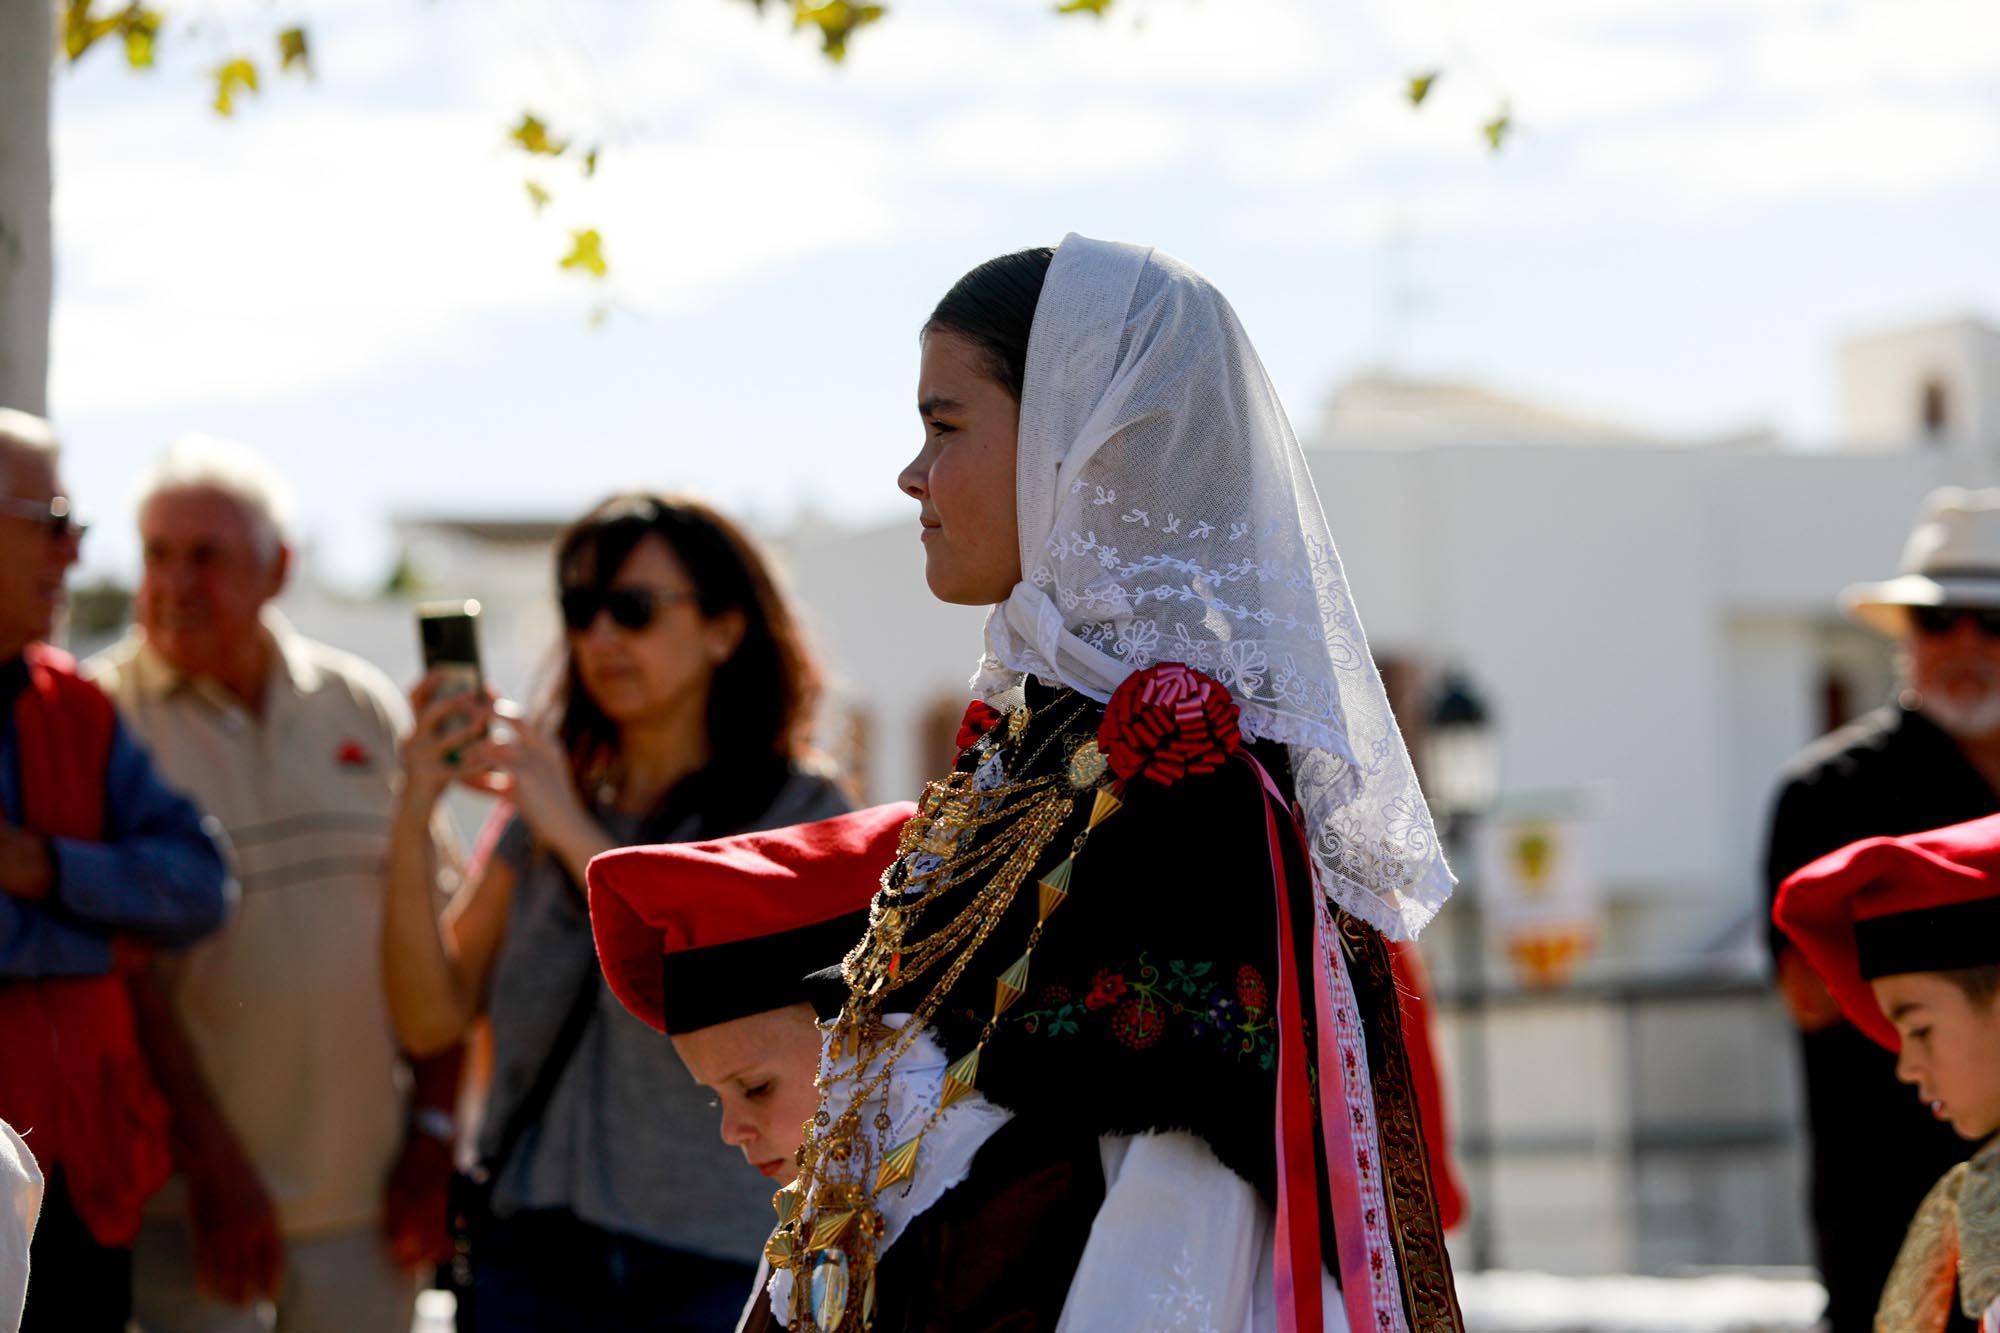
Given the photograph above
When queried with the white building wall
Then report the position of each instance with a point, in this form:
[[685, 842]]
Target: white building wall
[[519, 628], [1793, 529], [1772, 677], [1380, 509], [1882, 377], [892, 649]]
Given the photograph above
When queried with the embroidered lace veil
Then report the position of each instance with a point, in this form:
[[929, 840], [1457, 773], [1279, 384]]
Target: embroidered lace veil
[[1166, 514]]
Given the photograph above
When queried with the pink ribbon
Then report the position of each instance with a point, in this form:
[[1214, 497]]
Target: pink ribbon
[[1297, 1259]]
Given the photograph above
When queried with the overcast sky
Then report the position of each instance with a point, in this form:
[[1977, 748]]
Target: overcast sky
[[1699, 198]]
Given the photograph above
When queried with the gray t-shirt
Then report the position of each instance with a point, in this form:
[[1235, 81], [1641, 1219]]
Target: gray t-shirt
[[629, 1141]]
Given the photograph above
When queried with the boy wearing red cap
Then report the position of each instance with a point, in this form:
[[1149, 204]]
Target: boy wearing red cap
[[1906, 934], [712, 943]]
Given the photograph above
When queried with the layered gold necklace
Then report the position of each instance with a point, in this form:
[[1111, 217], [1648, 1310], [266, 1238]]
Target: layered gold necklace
[[967, 827]]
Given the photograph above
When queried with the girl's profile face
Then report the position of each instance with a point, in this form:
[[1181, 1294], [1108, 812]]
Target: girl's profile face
[[1951, 1048], [963, 477]]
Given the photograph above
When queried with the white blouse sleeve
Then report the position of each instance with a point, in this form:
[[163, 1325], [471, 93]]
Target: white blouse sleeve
[[1182, 1245]]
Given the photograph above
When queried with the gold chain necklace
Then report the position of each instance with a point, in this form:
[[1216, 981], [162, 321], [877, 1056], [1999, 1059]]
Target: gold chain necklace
[[828, 1225]]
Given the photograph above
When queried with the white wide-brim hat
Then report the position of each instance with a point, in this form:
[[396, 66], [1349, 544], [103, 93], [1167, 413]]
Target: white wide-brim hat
[[1951, 559]]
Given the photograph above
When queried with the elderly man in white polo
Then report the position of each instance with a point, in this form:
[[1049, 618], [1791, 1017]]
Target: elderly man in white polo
[[311, 1181], [1929, 758]]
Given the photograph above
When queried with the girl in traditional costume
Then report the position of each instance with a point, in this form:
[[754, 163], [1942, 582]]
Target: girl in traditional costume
[[1120, 1049]]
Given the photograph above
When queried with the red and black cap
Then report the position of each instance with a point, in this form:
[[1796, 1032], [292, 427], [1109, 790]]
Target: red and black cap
[[697, 933], [1928, 902]]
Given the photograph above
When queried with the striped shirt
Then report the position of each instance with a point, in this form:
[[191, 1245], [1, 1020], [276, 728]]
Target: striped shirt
[[285, 1007]]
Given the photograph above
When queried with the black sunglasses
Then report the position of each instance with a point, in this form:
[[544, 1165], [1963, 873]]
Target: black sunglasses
[[54, 517], [1943, 619], [632, 609]]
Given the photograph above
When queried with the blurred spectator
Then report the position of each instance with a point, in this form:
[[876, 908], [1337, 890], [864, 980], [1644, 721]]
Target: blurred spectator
[[97, 859], [309, 1177], [680, 713], [1928, 759]]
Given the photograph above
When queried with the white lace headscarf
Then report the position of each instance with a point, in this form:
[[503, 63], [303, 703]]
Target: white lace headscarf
[[1167, 515]]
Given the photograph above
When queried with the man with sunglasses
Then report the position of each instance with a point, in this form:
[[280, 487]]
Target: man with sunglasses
[[1928, 759], [99, 861], [308, 1178]]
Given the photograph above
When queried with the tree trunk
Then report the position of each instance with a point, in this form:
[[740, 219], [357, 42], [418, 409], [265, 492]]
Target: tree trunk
[[27, 53]]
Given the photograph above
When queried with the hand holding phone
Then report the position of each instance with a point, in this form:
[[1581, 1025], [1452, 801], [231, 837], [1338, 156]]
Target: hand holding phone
[[450, 635]]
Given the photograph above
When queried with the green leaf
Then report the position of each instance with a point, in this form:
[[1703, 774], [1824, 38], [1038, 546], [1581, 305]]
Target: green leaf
[[232, 77], [141, 29], [586, 253], [1095, 8], [1497, 129], [82, 30], [1420, 86], [590, 163], [293, 50], [538, 196], [533, 135], [836, 20]]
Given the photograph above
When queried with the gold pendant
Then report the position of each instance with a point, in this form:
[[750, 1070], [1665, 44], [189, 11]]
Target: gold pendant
[[959, 1079], [827, 1228], [1013, 984], [1103, 807], [1087, 766], [1055, 888], [780, 1249], [899, 1165], [787, 1201]]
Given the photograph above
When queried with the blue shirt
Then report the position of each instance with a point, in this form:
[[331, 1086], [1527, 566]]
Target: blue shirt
[[157, 875]]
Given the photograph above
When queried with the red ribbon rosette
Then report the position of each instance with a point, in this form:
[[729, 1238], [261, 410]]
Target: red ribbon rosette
[[980, 718], [1168, 722]]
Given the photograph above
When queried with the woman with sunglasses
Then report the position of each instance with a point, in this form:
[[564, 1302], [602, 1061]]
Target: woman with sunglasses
[[680, 713]]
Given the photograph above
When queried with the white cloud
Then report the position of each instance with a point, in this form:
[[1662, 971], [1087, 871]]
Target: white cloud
[[1016, 143], [201, 261], [299, 247], [1186, 47], [1857, 49], [1585, 81], [378, 217], [1873, 149]]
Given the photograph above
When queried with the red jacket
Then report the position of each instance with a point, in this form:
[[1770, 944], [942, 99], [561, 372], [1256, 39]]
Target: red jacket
[[1414, 986], [72, 1079]]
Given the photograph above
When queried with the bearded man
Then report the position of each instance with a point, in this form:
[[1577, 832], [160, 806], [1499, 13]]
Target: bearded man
[[1928, 759]]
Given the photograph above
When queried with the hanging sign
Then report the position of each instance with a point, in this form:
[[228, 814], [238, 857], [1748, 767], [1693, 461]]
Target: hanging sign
[[1540, 896]]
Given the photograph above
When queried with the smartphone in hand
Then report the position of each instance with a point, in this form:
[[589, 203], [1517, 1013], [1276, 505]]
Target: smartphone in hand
[[450, 635]]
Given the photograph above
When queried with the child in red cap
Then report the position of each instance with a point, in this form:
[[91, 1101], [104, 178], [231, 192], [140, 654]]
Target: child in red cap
[[712, 943], [1906, 934]]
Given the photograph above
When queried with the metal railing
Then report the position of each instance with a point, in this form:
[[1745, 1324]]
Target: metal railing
[[1646, 1125]]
